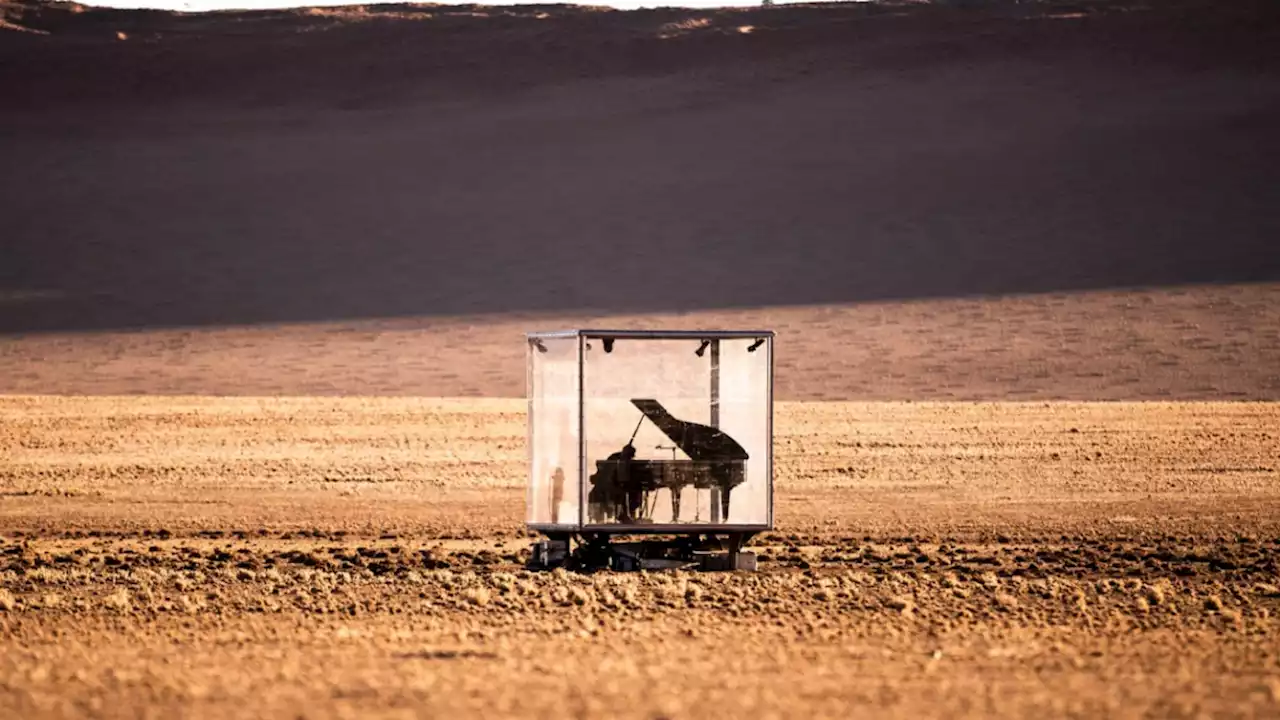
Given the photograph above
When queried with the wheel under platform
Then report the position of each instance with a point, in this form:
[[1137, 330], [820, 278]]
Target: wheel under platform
[[594, 552]]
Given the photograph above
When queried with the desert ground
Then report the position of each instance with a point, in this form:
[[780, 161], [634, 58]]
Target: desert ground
[[264, 279], [334, 557]]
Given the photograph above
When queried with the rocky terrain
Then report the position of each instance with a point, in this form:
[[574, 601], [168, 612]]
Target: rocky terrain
[[329, 557]]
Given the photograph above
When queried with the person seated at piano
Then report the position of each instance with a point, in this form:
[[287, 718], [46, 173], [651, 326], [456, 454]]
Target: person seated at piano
[[611, 498]]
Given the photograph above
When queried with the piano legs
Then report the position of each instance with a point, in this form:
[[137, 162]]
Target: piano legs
[[719, 501]]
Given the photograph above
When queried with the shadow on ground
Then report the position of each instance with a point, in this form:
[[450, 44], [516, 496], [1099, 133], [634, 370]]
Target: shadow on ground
[[167, 170]]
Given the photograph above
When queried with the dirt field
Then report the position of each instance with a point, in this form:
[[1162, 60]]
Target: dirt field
[[238, 251], [1201, 343], [339, 557]]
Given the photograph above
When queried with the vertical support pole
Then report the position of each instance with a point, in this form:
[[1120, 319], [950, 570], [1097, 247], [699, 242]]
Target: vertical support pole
[[582, 434], [715, 383], [531, 495], [769, 445], [715, 417]]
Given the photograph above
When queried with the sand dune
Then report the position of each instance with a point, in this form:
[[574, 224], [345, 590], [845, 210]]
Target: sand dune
[[469, 166], [1195, 343]]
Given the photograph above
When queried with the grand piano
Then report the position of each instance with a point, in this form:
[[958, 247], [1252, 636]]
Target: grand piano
[[624, 490]]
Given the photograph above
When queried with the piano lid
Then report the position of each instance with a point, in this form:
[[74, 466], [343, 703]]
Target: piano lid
[[699, 442]]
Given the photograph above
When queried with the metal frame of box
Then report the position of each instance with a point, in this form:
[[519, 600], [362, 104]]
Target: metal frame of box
[[582, 527]]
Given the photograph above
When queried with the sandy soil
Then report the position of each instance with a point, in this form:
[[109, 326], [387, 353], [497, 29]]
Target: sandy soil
[[330, 557], [1204, 343]]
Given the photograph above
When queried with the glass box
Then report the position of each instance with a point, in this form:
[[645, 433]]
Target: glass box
[[650, 431]]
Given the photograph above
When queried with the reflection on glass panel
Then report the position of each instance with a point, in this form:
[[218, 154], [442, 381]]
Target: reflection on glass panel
[[677, 432], [745, 414], [554, 487]]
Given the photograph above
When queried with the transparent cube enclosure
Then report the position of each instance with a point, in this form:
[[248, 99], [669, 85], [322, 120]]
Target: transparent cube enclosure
[[650, 431]]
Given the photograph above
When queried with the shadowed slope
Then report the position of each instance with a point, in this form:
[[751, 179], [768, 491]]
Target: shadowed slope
[[313, 165]]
